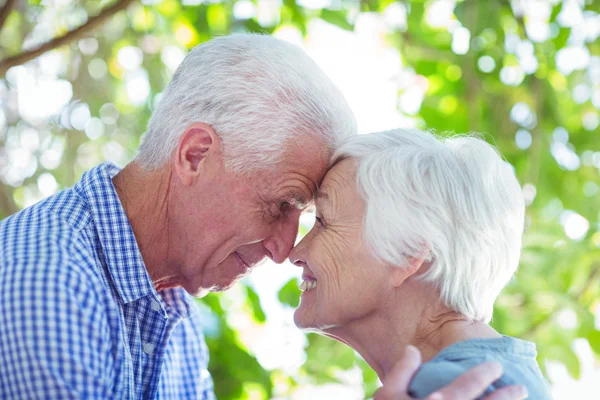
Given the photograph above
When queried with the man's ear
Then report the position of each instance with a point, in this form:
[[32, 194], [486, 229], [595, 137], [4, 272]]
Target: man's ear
[[196, 144], [414, 264]]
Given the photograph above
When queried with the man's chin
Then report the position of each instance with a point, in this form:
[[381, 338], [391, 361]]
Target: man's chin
[[201, 293], [222, 282], [228, 285], [200, 290], [221, 287]]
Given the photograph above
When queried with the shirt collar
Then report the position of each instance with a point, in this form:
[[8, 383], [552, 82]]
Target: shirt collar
[[123, 256]]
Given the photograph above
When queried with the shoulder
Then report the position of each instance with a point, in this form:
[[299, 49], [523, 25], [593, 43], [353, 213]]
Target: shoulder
[[66, 207], [46, 247], [436, 374], [45, 231], [526, 372], [439, 373], [49, 295]]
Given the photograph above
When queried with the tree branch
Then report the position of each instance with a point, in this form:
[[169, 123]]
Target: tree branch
[[91, 24], [6, 9]]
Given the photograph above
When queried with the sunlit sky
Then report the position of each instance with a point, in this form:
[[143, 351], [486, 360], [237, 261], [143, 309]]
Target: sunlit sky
[[36, 94]]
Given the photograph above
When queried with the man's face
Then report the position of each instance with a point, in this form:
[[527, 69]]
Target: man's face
[[226, 224]]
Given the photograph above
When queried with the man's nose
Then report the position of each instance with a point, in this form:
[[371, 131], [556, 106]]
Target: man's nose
[[282, 241]]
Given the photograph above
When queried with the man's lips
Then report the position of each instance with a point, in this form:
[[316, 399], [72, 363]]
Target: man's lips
[[241, 260]]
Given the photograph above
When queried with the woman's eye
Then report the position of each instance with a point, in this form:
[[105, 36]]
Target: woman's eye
[[319, 220], [284, 205]]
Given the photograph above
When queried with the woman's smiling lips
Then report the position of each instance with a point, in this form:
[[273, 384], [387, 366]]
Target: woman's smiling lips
[[309, 282], [307, 274]]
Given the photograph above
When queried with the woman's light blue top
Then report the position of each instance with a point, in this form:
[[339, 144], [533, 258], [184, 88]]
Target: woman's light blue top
[[516, 356]]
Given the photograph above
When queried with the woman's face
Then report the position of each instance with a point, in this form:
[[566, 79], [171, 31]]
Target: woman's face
[[342, 281]]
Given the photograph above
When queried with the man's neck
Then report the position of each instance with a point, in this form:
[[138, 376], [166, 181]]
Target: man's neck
[[144, 197]]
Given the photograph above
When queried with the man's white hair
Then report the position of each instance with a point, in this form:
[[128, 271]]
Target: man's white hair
[[258, 93], [454, 199]]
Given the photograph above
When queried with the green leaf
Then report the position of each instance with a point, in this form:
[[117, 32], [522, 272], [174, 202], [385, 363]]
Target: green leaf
[[370, 378], [337, 18], [560, 40], [290, 294], [588, 331], [561, 351], [252, 26], [297, 15], [569, 358], [232, 367], [594, 340], [555, 11], [326, 357], [254, 301]]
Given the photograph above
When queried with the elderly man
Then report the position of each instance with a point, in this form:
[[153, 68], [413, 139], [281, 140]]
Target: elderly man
[[97, 281]]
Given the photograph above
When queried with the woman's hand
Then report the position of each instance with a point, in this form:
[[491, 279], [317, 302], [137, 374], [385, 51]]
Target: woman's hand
[[468, 386]]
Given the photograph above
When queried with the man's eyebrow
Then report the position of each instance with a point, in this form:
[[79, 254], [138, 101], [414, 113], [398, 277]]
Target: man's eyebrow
[[299, 200]]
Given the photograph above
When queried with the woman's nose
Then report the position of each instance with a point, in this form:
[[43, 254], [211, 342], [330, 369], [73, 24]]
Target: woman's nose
[[296, 257]]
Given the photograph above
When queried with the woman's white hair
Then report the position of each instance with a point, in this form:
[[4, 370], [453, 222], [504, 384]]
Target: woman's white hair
[[258, 93], [453, 198]]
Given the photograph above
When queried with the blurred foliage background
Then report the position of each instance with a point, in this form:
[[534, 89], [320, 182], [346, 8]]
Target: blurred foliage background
[[79, 80]]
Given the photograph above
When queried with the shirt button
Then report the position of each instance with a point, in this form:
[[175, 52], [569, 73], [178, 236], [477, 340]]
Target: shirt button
[[148, 348], [154, 305]]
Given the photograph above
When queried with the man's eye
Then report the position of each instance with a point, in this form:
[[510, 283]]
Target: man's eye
[[279, 209], [319, 221]]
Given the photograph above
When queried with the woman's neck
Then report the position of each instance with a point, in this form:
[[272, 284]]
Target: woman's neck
[[445, 329], [382, 339]]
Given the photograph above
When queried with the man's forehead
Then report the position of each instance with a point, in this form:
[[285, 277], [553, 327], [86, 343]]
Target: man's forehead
[[308, 158], [303, 174]]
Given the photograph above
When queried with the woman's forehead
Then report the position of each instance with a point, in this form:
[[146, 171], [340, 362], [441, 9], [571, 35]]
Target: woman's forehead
[[341, 174], [339, 186]]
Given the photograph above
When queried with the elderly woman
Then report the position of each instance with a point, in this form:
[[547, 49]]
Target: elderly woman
[[414, 239]]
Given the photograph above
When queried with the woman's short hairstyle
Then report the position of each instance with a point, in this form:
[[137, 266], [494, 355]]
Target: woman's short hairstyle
[[258, 93], [454, 198]]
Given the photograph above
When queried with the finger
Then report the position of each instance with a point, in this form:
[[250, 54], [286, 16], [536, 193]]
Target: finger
[[473, 383], [396, 382], [513, 392]]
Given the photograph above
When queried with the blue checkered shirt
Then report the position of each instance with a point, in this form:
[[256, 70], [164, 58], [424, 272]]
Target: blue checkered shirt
[[79, 315]]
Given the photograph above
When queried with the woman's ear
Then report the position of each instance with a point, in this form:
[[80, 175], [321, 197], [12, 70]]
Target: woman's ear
[[413, 265]]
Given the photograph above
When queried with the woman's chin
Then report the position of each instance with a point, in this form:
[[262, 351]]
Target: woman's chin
[[299, 318], [302, 318]]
